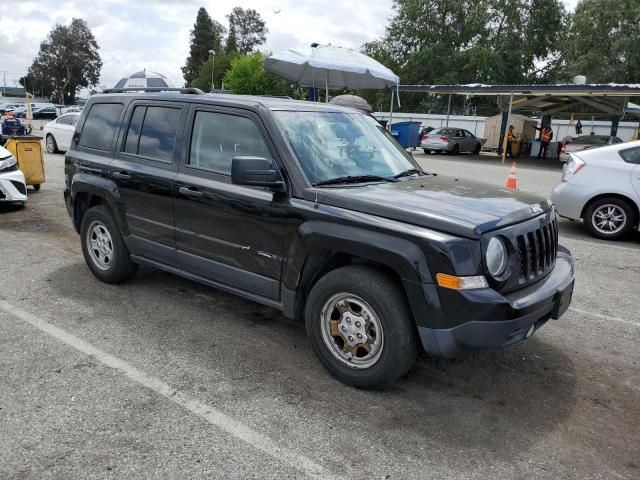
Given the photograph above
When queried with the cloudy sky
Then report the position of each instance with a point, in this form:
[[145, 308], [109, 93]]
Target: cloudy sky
[[154, 34]]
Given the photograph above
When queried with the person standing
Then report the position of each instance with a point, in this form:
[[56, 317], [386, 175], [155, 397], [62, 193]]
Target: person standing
[[546, 135], [511, 137]]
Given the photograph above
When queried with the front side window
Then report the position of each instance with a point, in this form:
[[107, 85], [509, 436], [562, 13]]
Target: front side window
[[152, 132], [100, 126], [218, 137], [331, 145]]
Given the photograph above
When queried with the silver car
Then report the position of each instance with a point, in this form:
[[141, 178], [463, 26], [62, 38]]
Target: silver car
[[601, 186], [450, 140], [585, 142]]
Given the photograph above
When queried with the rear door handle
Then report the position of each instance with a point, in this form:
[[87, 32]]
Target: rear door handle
[[190, 192], [121, 175]]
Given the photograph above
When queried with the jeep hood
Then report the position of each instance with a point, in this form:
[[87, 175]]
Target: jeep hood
[[464, 208]]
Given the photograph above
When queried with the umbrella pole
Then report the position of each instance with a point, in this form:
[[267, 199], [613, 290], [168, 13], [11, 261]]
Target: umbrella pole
[[391, 111], [326, 88]]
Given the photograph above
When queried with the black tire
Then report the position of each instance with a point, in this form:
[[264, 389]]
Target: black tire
[[476, 150], [120, 266], [389, 305], [617, 205], [455, 150], [426, 151], [36, 187], [51, 144]]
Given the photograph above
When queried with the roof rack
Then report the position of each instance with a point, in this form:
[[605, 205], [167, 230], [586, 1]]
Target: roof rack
[[186, 90]]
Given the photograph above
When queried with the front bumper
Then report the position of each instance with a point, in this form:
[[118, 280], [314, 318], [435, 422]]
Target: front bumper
[[13, 188], [497, 320]]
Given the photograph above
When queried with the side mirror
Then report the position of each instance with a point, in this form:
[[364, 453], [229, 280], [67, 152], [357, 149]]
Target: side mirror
[[255, 171]]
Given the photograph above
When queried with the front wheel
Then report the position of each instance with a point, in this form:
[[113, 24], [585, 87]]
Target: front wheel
[[609, 218], [455, 150], [476, 151], [103, 248], [360, 327]]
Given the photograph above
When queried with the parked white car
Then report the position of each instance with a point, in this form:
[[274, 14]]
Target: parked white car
[[601, 186], [58, 133], [13, 188]]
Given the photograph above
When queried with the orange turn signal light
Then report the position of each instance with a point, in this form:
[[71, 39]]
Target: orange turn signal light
[[461, 283]]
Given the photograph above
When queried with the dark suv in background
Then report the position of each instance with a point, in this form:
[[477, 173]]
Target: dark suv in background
[[316, 211]]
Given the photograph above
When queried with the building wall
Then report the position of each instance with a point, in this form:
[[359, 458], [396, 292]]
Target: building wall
[[475, 125]]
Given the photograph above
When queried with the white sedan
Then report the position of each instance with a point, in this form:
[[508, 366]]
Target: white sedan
[[58, 133], [601, 186]]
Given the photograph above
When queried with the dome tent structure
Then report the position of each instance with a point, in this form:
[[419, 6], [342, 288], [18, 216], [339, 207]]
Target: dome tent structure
[[144, 79]]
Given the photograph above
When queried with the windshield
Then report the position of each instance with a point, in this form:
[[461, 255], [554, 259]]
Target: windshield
[[592, 140], [342, 145]]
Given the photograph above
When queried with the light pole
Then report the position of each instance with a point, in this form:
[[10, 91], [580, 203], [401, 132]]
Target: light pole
[[213, 56]]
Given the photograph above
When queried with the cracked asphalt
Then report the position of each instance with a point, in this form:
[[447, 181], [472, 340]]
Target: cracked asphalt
[[161, 377]]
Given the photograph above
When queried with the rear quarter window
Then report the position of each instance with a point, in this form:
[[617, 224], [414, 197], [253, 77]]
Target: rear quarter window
[[631, 155], [99, 128]]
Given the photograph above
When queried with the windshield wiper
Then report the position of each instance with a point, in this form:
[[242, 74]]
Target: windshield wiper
[[411, 171], [355, 179]]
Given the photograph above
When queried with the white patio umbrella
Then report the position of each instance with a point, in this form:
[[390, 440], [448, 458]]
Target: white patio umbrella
[[335, 67]]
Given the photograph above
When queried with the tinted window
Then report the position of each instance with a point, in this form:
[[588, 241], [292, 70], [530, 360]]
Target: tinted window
[[152, 132], [631, 155], [218, 137], [100, 126]]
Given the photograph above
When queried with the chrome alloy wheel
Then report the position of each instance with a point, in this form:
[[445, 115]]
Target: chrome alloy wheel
[[609, 219], [352, 331], [100, 245]]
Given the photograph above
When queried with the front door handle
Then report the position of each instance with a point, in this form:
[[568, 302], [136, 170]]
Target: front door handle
[[190, 192], [121, 175]]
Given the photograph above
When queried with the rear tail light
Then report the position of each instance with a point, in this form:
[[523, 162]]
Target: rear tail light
[[444, 139], [572, 167]]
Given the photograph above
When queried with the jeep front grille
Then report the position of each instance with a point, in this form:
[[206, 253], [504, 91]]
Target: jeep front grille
[[537, 251]]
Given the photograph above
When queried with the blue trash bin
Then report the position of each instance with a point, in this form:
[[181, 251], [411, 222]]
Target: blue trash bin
[[406, 133]]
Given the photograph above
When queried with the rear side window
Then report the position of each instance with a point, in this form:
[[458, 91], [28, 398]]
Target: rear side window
[[152, 132], [218, 137], [631, 155], [100, 126]]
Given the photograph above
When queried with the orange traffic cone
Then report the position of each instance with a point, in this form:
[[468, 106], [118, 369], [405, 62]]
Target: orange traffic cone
[[511, 179]]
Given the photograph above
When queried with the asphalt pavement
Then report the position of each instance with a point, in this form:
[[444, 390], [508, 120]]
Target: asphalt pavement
[[161, 377]]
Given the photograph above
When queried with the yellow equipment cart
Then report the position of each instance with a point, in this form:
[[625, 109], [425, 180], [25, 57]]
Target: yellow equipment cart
[[28, 153]]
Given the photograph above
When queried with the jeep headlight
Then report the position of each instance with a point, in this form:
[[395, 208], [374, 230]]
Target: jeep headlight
[[7, 162], [496, 257]]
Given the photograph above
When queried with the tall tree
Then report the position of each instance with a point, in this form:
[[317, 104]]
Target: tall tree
[[220, 64], [207, 34], [249, 30], [603, 41], [67, 61]]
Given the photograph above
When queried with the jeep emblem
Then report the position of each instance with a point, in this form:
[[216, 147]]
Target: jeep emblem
[[536, 208]]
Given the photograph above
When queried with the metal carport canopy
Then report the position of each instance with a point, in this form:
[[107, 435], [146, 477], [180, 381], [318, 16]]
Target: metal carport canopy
[[561, 101]]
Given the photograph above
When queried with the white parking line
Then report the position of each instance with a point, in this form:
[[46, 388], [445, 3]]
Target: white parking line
[[594, 243], [212, 415], [604, 317]]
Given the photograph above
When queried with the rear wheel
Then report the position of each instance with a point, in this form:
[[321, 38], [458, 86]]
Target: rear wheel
[[360, 328], [104, 249], [52, 145], [609, 218], [427, 151]]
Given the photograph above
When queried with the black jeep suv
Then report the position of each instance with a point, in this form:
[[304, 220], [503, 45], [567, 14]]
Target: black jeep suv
[[316, 211]]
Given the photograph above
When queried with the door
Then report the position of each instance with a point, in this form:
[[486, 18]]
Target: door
[[143, 168], [632, 157], [230, 234], [470, 141]]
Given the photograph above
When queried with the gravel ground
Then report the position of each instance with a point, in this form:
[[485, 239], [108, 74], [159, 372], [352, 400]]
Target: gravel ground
[[163, 377]]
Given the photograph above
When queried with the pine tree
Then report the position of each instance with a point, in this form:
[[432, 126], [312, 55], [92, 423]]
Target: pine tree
[[206, 35]]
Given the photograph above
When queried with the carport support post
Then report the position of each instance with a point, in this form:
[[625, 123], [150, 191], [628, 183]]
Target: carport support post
[[614, 126], [506, 129], [448, 110], [390, 111]]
